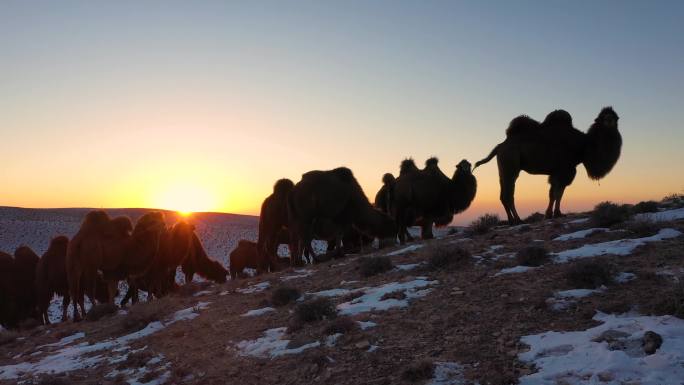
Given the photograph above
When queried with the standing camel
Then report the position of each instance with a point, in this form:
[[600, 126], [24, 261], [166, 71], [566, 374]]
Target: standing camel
[[554, 148]]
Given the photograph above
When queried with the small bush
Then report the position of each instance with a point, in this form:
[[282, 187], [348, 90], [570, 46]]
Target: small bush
[[589, 275], [135, 360], [607, 214], [443, 256], [142, 313], [317, 309], [535, 218], [53, 380], [341, 325], [532, 256], [7, 336], [674, 200], [370, 266], [419, 371], [671, 303], [284, 295], [484, 224], [100, 310], [645, 207], [640, 227]]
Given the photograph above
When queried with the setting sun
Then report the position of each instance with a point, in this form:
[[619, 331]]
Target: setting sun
[[186, 199]]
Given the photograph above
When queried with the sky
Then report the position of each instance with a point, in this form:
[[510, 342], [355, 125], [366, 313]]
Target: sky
[[202, 106]]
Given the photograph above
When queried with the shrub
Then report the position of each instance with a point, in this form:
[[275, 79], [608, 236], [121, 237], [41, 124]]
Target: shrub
[[641, 227], [484, 224], [607, 214], [532, 256], [142, 313], [443, 256], [284, 295], [100, 310], [589, 275], [672, 303], [341, 325], [645, 207], [370, 266], [419, 371], [674, 200], [535, 217], [53, 380], [7, 336], [313, 310]]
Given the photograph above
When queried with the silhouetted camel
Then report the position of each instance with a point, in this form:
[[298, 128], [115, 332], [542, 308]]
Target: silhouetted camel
[[273, 222], [324, 204], [246, 255], [428, 196], [554, 148], [106, 244], [200, 263]]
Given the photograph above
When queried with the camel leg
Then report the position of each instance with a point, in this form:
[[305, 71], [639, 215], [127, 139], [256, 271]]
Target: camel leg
[[559, 195], [74, 295], [65, 307], [111, 290], [426, 229], [549, 209], [558, 184]]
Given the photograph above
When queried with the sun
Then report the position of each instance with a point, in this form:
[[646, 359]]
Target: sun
[[186, 198]]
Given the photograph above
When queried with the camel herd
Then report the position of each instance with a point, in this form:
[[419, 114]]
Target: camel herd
[[326, 205]]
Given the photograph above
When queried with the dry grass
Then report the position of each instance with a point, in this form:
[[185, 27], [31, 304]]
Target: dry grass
[[535, 218], [142, 313], [484, 224], [8, 336], [645, 207], [444, 256], [317, 309], [672, 303], [341, 325], [419, 371], [589, 275], [100, 310], [532, 256], [370, 266], [608, 214], [284, 295]]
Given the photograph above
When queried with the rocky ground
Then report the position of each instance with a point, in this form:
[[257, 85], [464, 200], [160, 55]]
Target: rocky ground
[[454, 310]]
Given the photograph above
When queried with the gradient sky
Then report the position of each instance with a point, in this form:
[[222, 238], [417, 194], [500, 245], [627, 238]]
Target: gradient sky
[[203, 105]]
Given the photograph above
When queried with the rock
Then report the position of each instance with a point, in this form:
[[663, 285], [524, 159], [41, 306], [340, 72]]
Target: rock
[[362, 344], [651, 342], [610, 336], [606, 376]]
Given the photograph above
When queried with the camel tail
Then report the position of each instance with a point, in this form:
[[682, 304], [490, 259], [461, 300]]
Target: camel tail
[[488, 158]]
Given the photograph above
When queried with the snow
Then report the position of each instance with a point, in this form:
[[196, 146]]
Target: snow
[[514, 270], [578, 221], [371, 299], [406, 267], [255, 288], [617, 247], [272, 345], [331, 340], [64, 341], [663, 216], [580, 234], [405, 250], [258, 312], [562, 300], [134, 375], [81, 356], [301, 273], [201, 293], [624, 277], [495, 247], [574, 357], [447, 373], [331, 293], [364, 325]]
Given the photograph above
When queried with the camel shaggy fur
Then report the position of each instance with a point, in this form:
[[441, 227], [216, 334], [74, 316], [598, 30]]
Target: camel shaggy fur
[[554, 148], [273, 222], [325, 204], [426, 197]]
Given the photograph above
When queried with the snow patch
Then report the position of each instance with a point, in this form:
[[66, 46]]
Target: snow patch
[[258, 312], [574, 357], [301, 273], [562, 300], [580, 234], [201, 293], [405, 250], [255, 288], [64, 341], [272, 345], [371, 299], [448, 373], [407, 266], [364, 325], [617, 247], [624, 277], [331, 340], [514, 270], [663, 216]]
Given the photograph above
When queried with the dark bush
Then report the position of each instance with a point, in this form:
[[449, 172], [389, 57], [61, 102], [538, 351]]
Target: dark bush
[[589, 275], [443, 256], [341, 325], [532, 256], [317, 309], [284, 295], [672, 303], [370, 266], [535, 218], [640, 227], [419, 371], [645, 207], [53, 380], [100, 310], [607, 214], [484, 224], [142, 313], [7, 336]]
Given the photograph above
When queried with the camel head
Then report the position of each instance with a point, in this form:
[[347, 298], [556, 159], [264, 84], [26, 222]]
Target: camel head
[[603, 144], [388, 179], [463, 167]]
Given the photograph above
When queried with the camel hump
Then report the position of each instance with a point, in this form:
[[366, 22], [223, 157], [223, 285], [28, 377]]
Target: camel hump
[[558, 118], [522, 124], [606, 111], [431, 162], [96, 220], [24, 253], [407, 165], [388, 179], [59, 241], [283, 186]]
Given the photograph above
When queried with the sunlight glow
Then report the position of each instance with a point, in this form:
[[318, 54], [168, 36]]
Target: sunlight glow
[[186, 199]]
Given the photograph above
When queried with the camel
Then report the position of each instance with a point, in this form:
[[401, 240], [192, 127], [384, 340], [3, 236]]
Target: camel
[[246, 255], [108, 245], [200, 263], [25, 262], [325, 204], [8, 303], [426, 197], [273, 222], [554, 148]]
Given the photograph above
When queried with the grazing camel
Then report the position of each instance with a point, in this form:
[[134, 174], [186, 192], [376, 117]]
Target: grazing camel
[[108, 245], [273, 222], [426, 197], [554, 148], [325, 204]]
